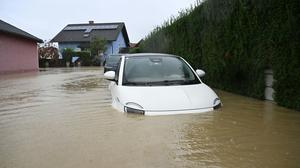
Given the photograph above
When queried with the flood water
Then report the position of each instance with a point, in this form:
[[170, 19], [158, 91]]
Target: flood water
[[62, 118]]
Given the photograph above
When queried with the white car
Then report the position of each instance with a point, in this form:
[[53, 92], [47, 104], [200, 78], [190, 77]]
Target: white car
[[159, 84]]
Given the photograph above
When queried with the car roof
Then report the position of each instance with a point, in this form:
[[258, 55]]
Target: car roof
[[149, 55]]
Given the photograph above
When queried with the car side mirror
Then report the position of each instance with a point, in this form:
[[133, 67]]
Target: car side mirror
[[110, 75], [200, 72]]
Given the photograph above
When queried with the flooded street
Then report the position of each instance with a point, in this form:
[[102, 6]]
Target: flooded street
[[63, 118]]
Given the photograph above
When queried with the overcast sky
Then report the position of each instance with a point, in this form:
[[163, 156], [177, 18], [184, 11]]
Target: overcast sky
[[45, 18]]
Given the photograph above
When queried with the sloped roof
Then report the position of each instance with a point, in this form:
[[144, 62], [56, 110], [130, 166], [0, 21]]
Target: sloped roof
[[85, 32], [133, 45], [8, 28]]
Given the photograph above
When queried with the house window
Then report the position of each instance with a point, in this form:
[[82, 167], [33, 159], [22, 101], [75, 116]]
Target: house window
[[86, 35]]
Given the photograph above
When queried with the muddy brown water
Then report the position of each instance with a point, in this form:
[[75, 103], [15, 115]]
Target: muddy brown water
[[63, 118]]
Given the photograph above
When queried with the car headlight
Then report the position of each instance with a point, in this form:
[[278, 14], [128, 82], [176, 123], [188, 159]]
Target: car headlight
[[217, 103], [132, 107], [132, 110]]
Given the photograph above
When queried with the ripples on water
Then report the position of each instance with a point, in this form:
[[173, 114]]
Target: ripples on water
[[63, 118]]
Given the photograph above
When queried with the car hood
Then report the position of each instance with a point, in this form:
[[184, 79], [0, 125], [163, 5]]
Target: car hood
[[165, 98]]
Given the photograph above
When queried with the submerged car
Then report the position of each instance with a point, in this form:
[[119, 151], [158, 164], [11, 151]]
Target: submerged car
[[111, 62], [159, 84]]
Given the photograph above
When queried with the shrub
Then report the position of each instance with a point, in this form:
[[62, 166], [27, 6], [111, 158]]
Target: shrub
[[85, 58], [67, 54]]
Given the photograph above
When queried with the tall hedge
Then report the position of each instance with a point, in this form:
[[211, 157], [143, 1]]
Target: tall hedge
[[234, 41]]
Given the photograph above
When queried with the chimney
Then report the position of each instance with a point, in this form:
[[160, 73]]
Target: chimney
[[91, 22]]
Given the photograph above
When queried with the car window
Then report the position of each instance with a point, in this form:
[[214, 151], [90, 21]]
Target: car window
[[117, 71], [157, 70], [113, 60]]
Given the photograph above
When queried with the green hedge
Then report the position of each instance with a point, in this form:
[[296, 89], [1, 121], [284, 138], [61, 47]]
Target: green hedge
[[234, 41], [84, 56]]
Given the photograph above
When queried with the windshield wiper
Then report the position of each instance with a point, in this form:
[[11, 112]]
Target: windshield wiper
[[168, 82], [130, 83], [160, 83], [178, 82], [137, 83], [173, 82]]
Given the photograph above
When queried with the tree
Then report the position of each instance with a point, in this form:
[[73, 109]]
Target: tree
[[67, 54], [48, 50], [97, 46]]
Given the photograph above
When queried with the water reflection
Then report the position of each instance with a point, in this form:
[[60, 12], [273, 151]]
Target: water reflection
[[86, 84], [62, 117], [244, 133]]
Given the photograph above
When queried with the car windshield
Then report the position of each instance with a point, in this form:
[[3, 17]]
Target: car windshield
[[157, 71], [114, 59]]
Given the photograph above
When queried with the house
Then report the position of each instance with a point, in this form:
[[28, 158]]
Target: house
[[79, 36], [18, 49], [136, 45], [133, 48]]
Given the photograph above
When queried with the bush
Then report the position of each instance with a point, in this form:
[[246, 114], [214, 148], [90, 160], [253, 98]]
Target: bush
[[51, 63], [85, 58], [134, 50], [67, 54]]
